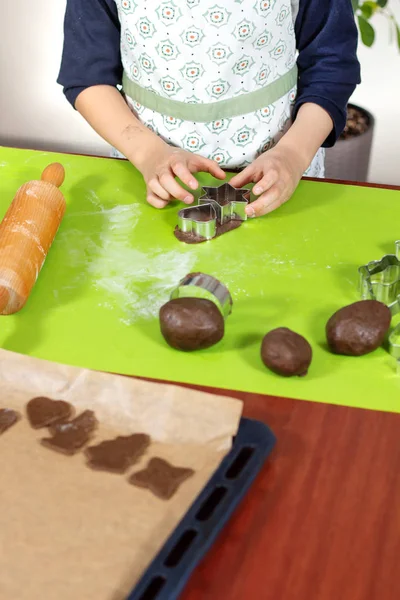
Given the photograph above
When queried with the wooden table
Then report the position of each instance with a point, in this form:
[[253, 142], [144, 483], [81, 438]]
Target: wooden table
[[322, 521]]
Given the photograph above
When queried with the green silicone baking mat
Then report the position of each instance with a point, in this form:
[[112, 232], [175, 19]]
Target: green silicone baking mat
[[115, 261]]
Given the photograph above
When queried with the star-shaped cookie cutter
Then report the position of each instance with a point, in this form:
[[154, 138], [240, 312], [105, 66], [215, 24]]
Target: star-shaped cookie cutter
[[380, 280], [229, 203], [216, 206]]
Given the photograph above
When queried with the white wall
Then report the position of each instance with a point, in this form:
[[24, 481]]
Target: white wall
[[33, 110], [379, 93], [34, 113]]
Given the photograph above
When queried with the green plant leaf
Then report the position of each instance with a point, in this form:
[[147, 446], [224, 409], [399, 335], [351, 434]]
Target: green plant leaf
[[398, 36], [355, 4], [366, 10], [381, 3], [369, 8], [366, 30]]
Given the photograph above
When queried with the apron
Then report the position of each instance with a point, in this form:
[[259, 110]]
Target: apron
[[216, 78]]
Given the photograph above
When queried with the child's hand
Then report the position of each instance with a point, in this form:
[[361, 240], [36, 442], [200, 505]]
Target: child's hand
[[276, 174], [166, 163]]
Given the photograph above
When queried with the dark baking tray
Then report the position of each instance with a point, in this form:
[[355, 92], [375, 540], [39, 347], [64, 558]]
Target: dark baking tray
[[169, 572]]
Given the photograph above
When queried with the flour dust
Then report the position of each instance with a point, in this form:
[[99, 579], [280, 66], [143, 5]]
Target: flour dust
[[129, 281]]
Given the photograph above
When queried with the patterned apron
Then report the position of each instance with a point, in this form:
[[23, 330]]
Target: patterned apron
[[218, 79]]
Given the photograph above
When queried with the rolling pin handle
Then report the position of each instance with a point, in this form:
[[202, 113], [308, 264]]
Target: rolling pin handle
[[54, 174]]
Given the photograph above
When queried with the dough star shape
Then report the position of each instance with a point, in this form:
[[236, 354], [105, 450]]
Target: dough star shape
[[8, 418], [116, 456], [69, 437], [161, 478], [44, 411]]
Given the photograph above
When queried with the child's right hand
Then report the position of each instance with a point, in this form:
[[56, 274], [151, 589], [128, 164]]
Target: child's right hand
[[164, 164]]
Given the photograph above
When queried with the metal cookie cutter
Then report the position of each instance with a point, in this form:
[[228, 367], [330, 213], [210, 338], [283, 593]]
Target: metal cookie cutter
[[199, 285], [380, 280], [229, 203], [201, 220], [394, 346], [216, 206]]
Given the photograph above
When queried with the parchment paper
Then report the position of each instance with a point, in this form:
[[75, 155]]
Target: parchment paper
[[69, 532]]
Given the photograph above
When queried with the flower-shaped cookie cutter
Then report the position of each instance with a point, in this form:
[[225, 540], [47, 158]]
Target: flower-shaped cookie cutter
[[380, 280], [200, 285], [216, 206]]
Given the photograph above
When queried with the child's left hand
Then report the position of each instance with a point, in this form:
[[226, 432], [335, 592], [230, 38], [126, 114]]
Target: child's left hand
[[276, 174]]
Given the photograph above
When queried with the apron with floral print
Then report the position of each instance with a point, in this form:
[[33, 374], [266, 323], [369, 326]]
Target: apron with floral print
[[216, 78]]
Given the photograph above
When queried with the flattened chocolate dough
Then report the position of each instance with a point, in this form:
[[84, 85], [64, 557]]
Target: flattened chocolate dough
[[192, 238], [8, 418], [161, 478], [359, 328], [69, 437], [43, 412], [116, 456], [191, 323]]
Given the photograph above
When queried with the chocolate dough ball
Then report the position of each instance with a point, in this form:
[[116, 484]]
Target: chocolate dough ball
[[286, 352], [191, 323], [359, 328]]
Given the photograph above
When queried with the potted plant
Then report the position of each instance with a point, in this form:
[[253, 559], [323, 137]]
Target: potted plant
[[350, 157]]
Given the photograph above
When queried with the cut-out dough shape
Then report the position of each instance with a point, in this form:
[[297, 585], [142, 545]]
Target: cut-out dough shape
[[43, 412], [8, 418], [69, 437], [116, 456], [161, 478]]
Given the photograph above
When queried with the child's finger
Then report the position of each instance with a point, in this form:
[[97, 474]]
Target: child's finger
[[155, 186], [243, 178], [268, 202], [185, 175], [156, 201], [169, 184], [207, 166], [269, 179]]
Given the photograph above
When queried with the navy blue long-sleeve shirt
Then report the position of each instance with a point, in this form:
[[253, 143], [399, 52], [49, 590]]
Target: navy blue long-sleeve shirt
[[326, 39]]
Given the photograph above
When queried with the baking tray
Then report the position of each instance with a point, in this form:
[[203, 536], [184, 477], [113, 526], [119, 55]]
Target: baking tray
[[169, 572]]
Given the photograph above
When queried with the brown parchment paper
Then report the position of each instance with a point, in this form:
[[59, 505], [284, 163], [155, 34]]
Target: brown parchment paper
[[67, 532]]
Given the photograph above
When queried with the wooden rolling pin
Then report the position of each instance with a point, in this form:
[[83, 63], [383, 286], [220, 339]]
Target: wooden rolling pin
[[26, 234]]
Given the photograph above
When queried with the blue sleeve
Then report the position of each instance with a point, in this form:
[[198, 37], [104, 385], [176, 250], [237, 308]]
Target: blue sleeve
[[329, 70], [91, 54]]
